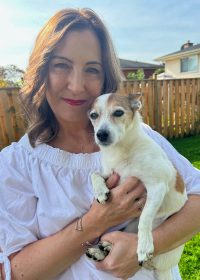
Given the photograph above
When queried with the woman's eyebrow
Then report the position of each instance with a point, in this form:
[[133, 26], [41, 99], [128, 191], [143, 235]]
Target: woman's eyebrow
[[94, 62], [89, 62], [61, 57]]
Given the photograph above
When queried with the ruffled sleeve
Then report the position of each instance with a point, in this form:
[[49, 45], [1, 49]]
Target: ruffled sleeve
[[189, 173], [18, 203]]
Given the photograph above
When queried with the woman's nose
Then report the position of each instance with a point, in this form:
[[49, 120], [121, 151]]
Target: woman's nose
[[76, 81]]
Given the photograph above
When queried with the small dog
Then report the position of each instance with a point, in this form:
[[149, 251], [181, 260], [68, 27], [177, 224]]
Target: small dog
[[129, 151]]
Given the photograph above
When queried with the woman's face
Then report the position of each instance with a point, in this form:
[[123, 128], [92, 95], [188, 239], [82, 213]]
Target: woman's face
[[75, 76]]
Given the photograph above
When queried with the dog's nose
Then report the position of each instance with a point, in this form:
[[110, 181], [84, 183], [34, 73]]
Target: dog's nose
[[102, 135]]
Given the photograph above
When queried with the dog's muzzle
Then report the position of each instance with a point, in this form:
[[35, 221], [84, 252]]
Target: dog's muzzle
[[103, 136]]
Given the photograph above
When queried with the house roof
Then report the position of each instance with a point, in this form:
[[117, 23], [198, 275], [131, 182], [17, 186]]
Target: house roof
[[192, 49], [130, 64]]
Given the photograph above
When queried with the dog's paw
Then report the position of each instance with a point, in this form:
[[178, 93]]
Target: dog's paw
[[103, 196], [100, 252], [105, 246], [145, 248], [96, 254]]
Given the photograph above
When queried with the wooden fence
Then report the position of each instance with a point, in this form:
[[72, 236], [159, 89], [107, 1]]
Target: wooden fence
[[12, 125], [171, 107]]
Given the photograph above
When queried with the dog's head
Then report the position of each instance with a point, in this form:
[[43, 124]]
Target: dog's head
[[112, 115]]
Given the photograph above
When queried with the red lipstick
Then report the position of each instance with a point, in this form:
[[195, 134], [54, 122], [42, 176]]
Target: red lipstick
[[74, 102]]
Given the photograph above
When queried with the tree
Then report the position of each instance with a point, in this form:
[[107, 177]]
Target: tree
[[139, 75], [11, 76], [159, 70]]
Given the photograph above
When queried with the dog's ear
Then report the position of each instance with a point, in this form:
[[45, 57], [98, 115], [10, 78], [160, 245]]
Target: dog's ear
[[134, 99]]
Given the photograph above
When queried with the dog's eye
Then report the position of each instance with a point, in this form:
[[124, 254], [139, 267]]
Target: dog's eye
[[94, 116], [118, 113]]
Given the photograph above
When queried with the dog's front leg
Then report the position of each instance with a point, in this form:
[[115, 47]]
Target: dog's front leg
[[155, 196], [101, 191]]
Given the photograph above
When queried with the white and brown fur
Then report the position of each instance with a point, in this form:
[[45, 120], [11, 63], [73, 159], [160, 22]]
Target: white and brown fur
[[129, 151]]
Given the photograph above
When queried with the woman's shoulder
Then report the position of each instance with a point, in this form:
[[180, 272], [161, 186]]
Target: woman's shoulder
[[20, 148], [44, 153], [156, 136], [151, 133], [15, 156]]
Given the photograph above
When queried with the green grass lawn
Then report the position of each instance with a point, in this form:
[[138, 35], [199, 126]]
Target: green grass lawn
[[189, 147], [190, 261]]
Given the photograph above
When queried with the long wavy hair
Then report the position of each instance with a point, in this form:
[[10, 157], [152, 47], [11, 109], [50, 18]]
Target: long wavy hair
[[42, 125]]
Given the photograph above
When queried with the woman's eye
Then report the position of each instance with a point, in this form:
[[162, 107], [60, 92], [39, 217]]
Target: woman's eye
[[118, 113], [61, 66], [93, 71], [94, 116]]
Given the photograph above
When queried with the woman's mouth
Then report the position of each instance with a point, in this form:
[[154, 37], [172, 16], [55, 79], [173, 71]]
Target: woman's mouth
[[74, 102]]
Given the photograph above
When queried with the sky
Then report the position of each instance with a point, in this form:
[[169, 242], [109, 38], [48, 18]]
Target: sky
[[141, 30]]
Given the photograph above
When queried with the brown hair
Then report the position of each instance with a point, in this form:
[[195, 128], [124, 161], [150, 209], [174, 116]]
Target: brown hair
[[42, 124]]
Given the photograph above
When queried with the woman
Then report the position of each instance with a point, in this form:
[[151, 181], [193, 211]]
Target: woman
[[47, 212]]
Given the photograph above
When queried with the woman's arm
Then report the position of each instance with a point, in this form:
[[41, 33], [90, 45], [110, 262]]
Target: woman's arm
[[46, 258], [179, 228]]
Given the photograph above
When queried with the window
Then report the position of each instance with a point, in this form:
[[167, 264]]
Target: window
[[189, 64]]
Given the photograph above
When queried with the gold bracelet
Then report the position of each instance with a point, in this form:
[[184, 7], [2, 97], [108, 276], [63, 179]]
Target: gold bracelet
[[86, 244], [79, 224]]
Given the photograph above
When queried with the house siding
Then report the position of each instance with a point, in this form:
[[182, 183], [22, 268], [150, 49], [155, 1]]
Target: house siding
[[172, 67]]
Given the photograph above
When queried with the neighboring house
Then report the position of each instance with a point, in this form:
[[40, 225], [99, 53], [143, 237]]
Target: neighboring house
[[184, 63], [128, 66]]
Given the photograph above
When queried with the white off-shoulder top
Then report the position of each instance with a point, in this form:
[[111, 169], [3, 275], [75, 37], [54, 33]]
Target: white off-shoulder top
[[43, 189]]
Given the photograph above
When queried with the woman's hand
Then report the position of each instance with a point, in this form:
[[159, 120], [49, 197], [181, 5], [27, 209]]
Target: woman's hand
[[122, 260], [125, 202], [113, 180]]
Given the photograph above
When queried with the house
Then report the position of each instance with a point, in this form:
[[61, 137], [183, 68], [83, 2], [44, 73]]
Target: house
[[128, 66], [184, 63]]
